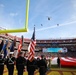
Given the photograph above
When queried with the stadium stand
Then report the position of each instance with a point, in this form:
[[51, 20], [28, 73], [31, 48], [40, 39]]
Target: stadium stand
[[70, 44]]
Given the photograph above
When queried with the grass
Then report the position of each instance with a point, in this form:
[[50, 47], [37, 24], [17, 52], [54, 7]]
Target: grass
[[53, 71]]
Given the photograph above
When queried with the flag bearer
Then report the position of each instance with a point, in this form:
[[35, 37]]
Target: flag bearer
[[20, 63], [10, 64], [1, 64]]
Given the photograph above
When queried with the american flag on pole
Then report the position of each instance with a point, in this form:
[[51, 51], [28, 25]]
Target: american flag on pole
[[31, 47]]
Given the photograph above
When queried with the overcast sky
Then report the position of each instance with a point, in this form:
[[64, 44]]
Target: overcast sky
[[62, 14]]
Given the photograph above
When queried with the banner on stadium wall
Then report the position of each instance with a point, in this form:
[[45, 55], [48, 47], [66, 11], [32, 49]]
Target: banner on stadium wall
[[64, 50]]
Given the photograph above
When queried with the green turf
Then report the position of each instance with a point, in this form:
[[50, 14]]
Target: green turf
[[52, 71]]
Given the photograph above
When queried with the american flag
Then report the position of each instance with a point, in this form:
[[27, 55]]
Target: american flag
[[31, 47]]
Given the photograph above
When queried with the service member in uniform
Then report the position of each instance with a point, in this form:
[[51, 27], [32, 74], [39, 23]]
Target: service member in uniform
[[20, 63], [42, 66], [58, 61], [31, 66], [10, 63], [1, 64]]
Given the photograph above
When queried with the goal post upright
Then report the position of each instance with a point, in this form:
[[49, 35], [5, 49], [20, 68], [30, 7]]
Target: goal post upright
[[25, 29]]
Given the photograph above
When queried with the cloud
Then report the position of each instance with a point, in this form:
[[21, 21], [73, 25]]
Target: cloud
[[2, 5], [73, 10], [38, 10], [13, 14], [6, 23], [74, 4]]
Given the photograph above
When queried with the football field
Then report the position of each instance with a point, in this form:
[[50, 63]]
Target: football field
[[53, 71]]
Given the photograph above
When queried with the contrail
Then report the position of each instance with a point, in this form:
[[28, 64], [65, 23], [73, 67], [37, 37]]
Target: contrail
[[54, 26]]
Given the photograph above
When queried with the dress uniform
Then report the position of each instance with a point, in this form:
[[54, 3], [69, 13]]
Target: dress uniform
[[31, 66], [58, 61], [20, 64], [10, 64], [42, 66], [1, 64]]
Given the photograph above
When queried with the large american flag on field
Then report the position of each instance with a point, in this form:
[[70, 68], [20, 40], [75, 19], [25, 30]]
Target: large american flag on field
[[31, 47]]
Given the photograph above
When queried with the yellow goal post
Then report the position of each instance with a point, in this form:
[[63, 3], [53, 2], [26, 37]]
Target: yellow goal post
[[25, 29]]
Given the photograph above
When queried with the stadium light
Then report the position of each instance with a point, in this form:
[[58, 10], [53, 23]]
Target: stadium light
[[25, 29]]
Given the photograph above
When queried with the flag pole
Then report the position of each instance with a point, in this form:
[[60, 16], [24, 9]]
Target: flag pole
[[34, 28], [34, 31]]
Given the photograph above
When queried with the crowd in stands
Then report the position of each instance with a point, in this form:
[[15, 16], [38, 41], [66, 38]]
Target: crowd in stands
[[55, 54], [41, 63]]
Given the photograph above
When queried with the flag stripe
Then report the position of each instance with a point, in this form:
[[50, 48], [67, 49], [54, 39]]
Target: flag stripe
[[32, 47]]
